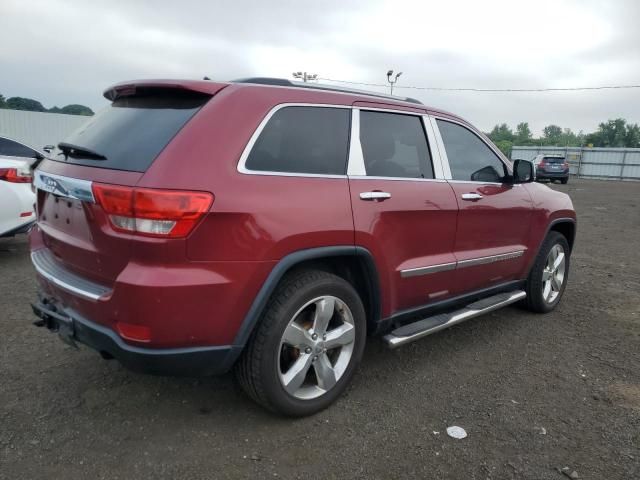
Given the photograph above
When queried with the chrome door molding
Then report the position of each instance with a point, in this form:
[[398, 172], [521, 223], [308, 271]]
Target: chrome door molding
[[471, 262], [61, 186], [419, 271]]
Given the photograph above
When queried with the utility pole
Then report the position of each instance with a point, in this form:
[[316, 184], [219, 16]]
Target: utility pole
[[395, 80], [305, 76]]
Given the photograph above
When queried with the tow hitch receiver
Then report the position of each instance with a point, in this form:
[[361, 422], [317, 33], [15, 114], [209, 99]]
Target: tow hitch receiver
[[49, 317]]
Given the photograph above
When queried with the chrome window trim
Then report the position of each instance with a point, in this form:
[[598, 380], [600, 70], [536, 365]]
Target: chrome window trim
[[241, 167], [434, 148], [493, 149], [355, 166], [64, 186], [359, 169], [471, 262], [444, 160]]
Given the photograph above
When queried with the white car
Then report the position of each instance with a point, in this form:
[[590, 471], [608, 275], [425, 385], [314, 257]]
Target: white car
[[17, 199]]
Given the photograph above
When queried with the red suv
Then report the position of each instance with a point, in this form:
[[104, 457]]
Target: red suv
[[193, 227]]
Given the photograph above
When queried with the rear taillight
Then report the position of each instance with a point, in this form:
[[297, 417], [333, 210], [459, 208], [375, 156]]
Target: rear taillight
[[152, 212], [565, 165], [542, 164], [15, 175]]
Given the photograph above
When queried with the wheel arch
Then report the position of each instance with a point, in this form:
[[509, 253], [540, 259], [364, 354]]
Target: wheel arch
[[564, 226], [354, 264]]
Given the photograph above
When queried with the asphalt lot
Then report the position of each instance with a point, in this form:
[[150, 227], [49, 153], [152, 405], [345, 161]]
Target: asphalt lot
[[535, 393]]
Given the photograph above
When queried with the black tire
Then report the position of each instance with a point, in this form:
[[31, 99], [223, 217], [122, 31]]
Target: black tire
[[535, 300], [564, 181], [258, 368]]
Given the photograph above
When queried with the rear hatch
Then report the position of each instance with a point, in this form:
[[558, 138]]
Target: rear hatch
[[553, 164], [99, 164]]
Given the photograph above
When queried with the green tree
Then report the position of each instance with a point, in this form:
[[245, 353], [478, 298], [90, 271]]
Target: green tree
[[523, 134], [505, 146], [551, 135], [501, 133], [632, 138], [75, 109], [612, 133], [3, 102], [21, 103]]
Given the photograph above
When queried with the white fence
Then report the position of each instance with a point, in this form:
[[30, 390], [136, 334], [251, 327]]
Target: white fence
[[603, 163], [38, 129]]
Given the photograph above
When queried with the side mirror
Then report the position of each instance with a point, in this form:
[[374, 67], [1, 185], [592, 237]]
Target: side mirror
[[523, 171]]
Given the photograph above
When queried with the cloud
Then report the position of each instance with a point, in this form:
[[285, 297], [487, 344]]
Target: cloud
[[69, 51]]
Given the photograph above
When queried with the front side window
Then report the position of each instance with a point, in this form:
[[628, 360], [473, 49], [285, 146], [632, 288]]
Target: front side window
[[394, 145], [303, 140], [10, 148], [470, 159]]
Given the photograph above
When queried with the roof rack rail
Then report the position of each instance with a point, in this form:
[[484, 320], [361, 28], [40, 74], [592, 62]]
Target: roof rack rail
[[283, 82]]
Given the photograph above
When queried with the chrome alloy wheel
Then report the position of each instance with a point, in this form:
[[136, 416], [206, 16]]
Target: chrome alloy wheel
[[316, 347], [553, 274]]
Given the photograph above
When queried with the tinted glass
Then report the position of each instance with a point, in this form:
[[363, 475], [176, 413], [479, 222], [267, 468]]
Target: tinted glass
[[133, 130], [394, 145], [554, 159], [469, 157], [303, 140], [15, 149]]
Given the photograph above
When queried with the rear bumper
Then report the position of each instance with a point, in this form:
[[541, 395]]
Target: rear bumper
[[192, 361]]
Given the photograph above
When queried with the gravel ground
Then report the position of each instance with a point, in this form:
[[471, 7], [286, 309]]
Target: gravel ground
[[535, 393]]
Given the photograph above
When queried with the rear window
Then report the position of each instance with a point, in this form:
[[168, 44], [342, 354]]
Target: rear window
[[554, 159], [303, 140], [133, 130]]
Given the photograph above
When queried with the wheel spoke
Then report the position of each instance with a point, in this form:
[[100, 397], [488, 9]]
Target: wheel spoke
[[296, 336], [340, 336], [546, 275], [555, 284], [294, 378], [324, 372], [558, 261], [547, 290], [324, 312]]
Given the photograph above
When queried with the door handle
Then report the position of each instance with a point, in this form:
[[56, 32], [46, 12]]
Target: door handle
[[471, 196], [374, 196]]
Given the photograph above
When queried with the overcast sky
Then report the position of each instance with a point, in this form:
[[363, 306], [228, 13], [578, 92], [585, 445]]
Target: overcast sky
[[69, 51]]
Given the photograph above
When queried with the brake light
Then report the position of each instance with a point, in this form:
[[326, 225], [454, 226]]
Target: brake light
[[565, 165], [152, 212], [542, 164], [15, 175]]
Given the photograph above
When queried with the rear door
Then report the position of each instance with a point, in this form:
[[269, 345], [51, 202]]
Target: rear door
[[494, 215], [116, 146], [403, 214]]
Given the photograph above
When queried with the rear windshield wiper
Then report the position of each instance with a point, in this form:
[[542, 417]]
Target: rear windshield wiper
[[71, 150]]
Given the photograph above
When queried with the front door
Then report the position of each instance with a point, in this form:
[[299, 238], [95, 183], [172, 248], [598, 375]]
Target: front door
[[402, 214], [494, 215]]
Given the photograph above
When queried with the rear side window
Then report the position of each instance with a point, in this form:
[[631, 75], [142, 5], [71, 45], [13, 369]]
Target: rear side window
[[470, 159], [303, 140], [133, 130], [15, 149], [394, 145]]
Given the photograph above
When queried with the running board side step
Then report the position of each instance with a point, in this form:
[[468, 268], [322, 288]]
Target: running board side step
[[416, 330]]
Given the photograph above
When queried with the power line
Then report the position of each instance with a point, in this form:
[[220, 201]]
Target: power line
[[445, 89]]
